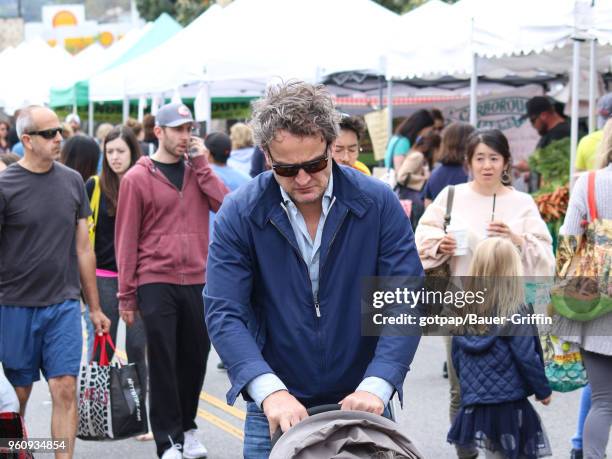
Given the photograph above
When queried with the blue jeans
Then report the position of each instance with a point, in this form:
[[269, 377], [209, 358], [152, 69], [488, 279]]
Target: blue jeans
[[585, 406], [257, 443]]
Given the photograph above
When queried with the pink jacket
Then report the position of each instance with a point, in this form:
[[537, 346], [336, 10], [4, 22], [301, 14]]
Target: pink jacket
[[161, 233]]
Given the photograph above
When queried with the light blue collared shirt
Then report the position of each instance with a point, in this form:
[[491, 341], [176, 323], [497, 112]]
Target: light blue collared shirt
[[308, 248], [262, 386]]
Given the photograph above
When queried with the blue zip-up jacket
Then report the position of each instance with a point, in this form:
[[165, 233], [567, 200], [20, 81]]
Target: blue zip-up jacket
[[260, 311], [497, 369]]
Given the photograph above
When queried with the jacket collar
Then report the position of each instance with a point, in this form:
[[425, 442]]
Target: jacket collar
[[345, 189]]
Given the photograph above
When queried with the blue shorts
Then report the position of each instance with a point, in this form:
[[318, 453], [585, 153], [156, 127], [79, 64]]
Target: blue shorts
[[47, 338]]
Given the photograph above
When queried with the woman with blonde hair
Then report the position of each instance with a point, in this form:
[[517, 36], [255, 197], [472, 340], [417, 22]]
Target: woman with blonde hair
[[102, 132], [497, 373], [242, 148]]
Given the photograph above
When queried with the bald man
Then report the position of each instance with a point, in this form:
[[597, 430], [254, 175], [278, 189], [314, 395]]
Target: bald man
[[46, 261]]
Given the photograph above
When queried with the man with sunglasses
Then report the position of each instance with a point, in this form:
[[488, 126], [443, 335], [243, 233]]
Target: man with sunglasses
[[161, 242], [283, 305], [551, 126], [45, 249], [544, 118]]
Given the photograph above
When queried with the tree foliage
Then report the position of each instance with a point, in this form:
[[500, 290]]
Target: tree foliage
[[188, 10], [403, 6], [184, 11], [150, 10]]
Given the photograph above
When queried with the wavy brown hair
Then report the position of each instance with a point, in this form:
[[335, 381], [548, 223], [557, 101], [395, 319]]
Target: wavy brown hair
[[454, 143], [109, 180], [300, 108]]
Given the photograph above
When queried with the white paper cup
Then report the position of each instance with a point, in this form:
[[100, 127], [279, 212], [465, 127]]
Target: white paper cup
[[461, 238]]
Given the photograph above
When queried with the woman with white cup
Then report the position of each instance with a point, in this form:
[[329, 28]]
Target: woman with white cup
[[485, 206]]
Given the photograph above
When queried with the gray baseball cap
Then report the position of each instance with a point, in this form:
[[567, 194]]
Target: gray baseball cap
[[173, 115]]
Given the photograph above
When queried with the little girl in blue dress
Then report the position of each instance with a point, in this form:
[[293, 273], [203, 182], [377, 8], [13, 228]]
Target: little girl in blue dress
[[497, 373]]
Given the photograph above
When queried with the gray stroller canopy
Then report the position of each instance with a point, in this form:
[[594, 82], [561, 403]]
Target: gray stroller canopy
[[346, 435]]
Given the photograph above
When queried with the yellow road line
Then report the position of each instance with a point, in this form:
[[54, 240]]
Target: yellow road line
[[214, 401], [221, 424], [218, 403]]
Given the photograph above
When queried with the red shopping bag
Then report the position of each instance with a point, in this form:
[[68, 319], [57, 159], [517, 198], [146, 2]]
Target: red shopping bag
[[12, 426]]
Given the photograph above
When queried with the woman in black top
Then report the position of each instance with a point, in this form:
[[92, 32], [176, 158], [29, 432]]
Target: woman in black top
[[121, 151]]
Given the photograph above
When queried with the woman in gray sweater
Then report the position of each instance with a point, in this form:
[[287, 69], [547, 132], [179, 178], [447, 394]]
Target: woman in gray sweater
[[595, 336]]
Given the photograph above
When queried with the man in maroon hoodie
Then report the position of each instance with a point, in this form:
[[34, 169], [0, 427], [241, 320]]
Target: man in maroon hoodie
[[161, 240]]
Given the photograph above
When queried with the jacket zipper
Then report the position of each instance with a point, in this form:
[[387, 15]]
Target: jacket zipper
[[314, 297], [316, 301], [330, 245], [317, 304]]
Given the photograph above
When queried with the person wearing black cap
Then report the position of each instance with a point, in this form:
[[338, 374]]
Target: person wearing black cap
[[551, 126], [161, 244], [544, 118]]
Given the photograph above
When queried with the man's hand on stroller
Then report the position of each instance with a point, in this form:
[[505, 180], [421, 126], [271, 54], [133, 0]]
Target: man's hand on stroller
[[363, 401], [283, 409]]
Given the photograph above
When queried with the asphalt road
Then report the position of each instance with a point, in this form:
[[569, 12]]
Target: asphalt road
[[424, 418]]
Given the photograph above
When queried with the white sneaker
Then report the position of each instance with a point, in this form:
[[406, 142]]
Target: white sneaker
[[174, 452], [192, 447]]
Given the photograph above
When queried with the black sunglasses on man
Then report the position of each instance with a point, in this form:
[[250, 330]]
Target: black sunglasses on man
[[47, 133], [310, 167]]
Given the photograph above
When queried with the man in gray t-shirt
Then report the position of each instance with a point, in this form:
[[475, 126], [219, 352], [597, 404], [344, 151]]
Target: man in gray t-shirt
[[44, 250]]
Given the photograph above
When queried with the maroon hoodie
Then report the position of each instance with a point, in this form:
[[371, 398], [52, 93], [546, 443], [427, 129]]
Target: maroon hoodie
[[161, 233]]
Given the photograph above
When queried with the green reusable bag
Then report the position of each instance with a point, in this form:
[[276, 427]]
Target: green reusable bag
[[563, 365]]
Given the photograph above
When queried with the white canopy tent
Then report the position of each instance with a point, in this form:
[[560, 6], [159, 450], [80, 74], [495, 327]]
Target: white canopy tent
[[22, 77], [6, 60], [249, 55], [523, 37], [95, 58], [425, 13]]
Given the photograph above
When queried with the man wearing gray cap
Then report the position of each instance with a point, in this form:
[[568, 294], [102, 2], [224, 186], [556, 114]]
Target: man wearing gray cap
[[161, 240]]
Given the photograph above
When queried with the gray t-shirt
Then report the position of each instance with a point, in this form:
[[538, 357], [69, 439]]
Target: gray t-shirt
[[38, 218]]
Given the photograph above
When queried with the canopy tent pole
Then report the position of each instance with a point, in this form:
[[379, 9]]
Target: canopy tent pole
[[142, 104], [202, 106], [389, 108], [473, 80], [592, 85], [473, 92], [575, 95], [126, 108], [90, 115], [209, 112]]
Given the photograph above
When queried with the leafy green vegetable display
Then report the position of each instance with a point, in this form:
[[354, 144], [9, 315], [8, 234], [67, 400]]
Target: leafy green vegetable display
[[552, 163]]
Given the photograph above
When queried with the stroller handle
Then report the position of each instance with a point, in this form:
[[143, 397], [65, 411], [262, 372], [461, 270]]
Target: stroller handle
[[311, 412], [322, 409]]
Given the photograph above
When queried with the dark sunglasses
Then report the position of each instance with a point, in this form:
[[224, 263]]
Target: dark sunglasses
[[47, 133], [310, 167]]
